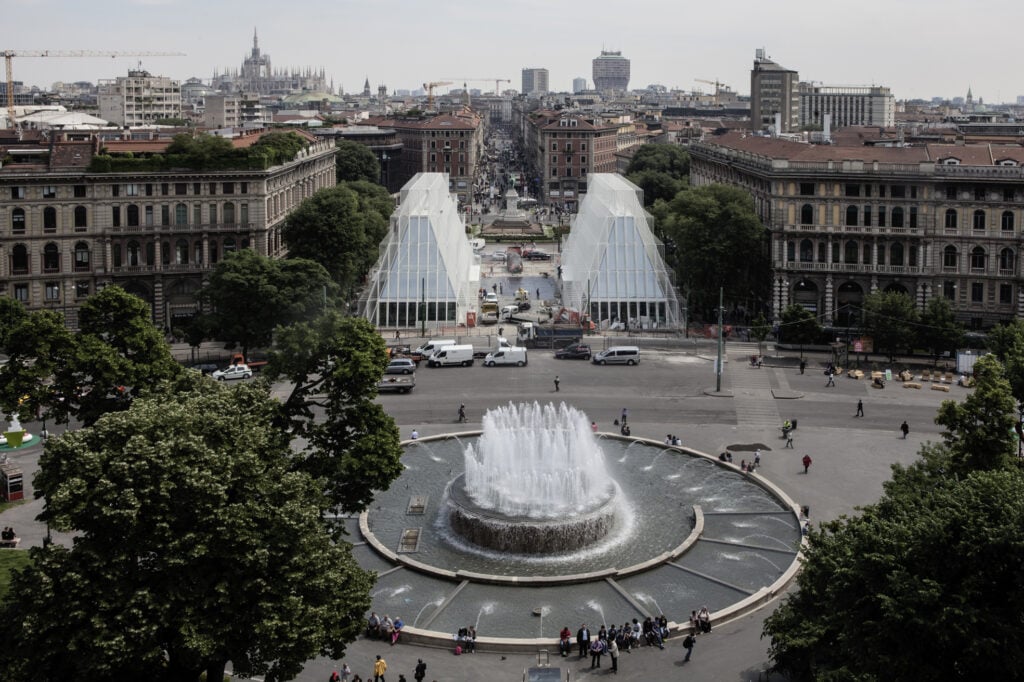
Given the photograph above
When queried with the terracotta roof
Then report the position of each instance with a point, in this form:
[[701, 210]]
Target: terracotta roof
[[71, 154]]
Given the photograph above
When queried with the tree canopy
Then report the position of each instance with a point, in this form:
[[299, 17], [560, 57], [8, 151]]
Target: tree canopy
[[799, 326], [1006, 341], [333, 364], [720, 242], [356, 161], [660, 170], [12, 312], [890, 318], [197, 542], [340, 228], [939, 331], [929, 582], [252, 294]]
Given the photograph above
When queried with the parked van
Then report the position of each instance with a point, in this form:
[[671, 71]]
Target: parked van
[[516, 355], [451, 355], [618, 355], [429, 347]]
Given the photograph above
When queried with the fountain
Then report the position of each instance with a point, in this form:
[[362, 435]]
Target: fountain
[[535, 483]]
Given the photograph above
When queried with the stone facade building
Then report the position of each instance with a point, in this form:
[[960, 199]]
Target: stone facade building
[[937, 220], [66, 231]]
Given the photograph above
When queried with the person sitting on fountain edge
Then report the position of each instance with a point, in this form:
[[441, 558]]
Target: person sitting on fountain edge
[[373, 626], [565, 641]]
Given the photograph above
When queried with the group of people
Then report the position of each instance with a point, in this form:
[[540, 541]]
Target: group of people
[[614, 639], [673, 440], [384, 628], [380, 667], [465, 640], [8, 537]]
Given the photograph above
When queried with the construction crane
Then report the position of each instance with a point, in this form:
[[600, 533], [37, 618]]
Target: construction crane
[[429, 87], [719, 85], [9, 55], [497, 82]]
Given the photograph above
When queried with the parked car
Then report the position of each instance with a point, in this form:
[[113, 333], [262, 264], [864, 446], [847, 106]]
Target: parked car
[[576, 351], [401, 366], [618, 355], [206, 367], [537, 254], [490, 297], [498, 256], [233, 372]]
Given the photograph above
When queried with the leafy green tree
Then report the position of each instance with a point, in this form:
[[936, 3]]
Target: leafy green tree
[[356, 161], [12, 312], [252, 294], [939, 331], [891, 320], [760, 329], [333, 364], [339, 228], [656, 185], [196, 543], [662, 158], [980, 430], [720, 242], [1006, 341], [278, 147], [200, 151], [39, 348], [799, 326]]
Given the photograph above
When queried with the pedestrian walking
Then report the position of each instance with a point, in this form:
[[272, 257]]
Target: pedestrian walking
[[379, 668], [557, 383], [831, 379], [905, 428], [421, 670], [860, 409], [613, 651], [346, 673], [803, 365], [789, 439], [625, 415], [538, 294], [757, 458], [462, 412], [806, 462], [688, 645]]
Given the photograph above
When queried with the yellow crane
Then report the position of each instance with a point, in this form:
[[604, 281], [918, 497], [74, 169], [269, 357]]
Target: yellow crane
[[497, 82], [719, 85], [9, 55], [429, 87]]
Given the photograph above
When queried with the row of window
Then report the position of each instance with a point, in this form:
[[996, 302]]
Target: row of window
[[52, 290], [978, 292], [897, 254], [81, 219], [134, 254], [854, 217], [567, 172], [133, 216], [148, 189], [568, 146], [952, 192]]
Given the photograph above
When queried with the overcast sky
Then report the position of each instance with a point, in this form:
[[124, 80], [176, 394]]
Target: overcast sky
[[919, 48]]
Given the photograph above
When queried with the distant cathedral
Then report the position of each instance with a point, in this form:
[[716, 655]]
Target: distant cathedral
[[257, 76]]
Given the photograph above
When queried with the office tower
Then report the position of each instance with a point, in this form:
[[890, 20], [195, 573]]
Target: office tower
[[535, 81], [611, 71], [774, 90]]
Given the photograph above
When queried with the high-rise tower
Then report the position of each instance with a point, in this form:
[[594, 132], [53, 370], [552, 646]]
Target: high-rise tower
[[774, 91], [611, 71]]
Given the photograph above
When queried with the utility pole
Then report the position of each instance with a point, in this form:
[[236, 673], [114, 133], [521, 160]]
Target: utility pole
[[423, 307], [718, 366]]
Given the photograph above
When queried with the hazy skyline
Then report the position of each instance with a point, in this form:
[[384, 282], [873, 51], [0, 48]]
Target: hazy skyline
[[919, 49]]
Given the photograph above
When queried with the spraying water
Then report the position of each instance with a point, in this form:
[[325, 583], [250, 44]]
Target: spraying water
[[488, 609]]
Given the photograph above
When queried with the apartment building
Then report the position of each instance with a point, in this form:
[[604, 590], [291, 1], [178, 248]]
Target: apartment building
[[846, 105], [774, 93], [535, 82], [937, 220], [67, 231], [139, 99]]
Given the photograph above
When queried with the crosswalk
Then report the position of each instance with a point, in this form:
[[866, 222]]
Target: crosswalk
[[755, 405]]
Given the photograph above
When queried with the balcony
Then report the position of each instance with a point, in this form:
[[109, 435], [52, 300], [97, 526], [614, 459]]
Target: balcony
[[861, 268], [191, 229]]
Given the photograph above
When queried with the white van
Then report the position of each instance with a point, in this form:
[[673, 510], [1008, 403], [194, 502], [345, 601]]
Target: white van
[[452, 355], [508, 311], [618, 355], [515, 355], [429, 347]]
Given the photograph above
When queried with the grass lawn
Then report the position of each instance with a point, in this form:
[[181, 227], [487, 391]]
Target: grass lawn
[[10, 559], [4, 506]]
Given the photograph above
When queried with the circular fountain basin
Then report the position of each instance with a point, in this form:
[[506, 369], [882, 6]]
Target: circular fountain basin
[[522, 534]]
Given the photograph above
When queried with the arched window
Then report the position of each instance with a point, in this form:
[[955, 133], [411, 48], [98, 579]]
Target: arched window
[[790, 251], [133, 216], [50, 219], [180, 214], [977, 258], [1006, 259], [81, 257], [896, 254], [81, 217], [806, 251], [134, 253], [951, 218], [181, 252], [51, 258], [897, 217], [979, 220], [949, 257], [881, 253], [229, 245], [806, 215], [1007, 221], [851, 215], [19, 260], [229, 213], [18, 221]]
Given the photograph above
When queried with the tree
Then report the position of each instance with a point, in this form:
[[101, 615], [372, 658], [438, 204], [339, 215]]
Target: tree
[[720, 242], [660, 170], [356, 161], [939, 331], [890, 319], [196, 543], [656, 185], [333, 364], [799, 325], [1007, 342], [38, 347], [252, 294], [339, 228], [980, 431], [12, 312], [760, 330]]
